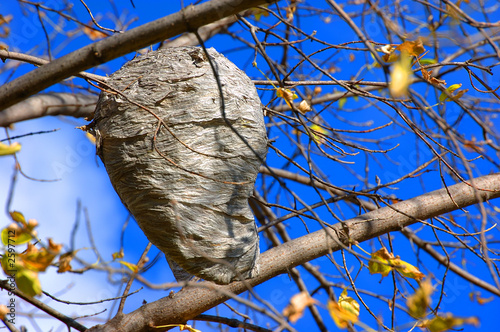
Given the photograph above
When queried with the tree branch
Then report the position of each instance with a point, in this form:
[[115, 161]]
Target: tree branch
[[76, 105], [188, 19], [196, 299]]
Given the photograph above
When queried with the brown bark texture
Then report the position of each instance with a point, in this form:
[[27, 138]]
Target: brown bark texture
[[184, 158]]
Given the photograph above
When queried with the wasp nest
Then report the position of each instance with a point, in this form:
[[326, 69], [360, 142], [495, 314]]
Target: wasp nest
[[184, 159]]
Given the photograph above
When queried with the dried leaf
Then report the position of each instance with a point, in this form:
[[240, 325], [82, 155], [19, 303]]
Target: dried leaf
[[298, 303], [380, 262], [447, 322], [419, 302], [481, 300], [39, 259], [65, 261], [428, 77], [413, 48], [304, 107], [93, 34], [286, 94]]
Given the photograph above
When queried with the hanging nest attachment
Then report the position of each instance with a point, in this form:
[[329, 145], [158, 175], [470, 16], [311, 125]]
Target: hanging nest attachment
[[184, 159]]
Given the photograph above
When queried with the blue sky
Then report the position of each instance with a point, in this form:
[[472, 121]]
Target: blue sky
[[67, 155]]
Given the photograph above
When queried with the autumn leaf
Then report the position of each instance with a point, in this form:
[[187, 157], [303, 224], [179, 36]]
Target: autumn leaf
[[4, 29], [298, 303], [401, 76], [19, 232], [118, 255], [413, 48], [26, 280], [348, 303], [304, 107], [444, 97], [14, 234], [427, 75], [93, 34], [447, 322], [65, 261], [132, 267], [345, 311], [286, 94], [9, 149], [380, 262], [384, 262], [480, 300], [406, 269], [258, 13], [419, 302], [39, 259], [317, 133]]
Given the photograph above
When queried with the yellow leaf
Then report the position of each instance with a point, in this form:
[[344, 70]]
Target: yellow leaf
[[18, 217], [9, 149], [131, 266], [348, 304], [340, 316], [298, 303], [406, 269], [258, 13], [401, 75], [286, 94], [443, 97], [317, 133], [13, 234], [380, 262], [27, 281], [447, 322], [118, 255], [342, 102], [419, 302]]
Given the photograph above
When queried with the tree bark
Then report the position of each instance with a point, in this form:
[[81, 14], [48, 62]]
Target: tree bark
[[196, 299]]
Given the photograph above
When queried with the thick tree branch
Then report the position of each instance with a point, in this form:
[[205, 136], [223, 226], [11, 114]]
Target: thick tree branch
[[196, 299], [75, 105], [188, 19]]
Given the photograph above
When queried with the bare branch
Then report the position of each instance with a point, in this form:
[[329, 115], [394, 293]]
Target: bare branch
[[194, 300], [105, 50], [75, 105]]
